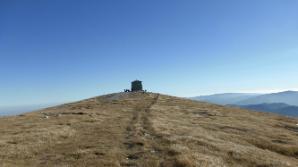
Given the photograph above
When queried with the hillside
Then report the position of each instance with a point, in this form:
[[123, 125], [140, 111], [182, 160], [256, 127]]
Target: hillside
[[147, 130]]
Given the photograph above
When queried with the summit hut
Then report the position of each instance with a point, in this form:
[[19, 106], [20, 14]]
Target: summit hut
[[136, 86]]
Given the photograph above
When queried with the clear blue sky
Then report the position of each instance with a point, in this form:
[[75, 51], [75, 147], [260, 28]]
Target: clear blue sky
[[64, 50]]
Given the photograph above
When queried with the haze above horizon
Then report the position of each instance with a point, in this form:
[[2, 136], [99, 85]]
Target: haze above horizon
[[57, 51]]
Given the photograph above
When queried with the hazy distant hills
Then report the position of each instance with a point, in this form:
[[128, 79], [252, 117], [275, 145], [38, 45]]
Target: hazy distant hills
[[288, 97], [285, 103], [226, 98], [279, 108]]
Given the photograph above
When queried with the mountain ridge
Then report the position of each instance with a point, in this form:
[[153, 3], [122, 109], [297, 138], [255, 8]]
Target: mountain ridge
[[278, 108], [259, 102], [225, 98], [287, 97]]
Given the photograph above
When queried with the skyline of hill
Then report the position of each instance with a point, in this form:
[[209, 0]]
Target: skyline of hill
[[245, 100]]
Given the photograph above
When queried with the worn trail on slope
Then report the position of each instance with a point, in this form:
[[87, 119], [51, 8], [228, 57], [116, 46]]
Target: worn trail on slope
[[143, 145]]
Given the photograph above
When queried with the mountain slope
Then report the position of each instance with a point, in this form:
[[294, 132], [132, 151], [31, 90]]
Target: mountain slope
[[288, 97], [279, 108], [225, 98], [147, 130]]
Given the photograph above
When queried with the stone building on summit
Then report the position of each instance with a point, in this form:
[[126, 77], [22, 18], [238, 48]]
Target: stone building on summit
[[136, 86]]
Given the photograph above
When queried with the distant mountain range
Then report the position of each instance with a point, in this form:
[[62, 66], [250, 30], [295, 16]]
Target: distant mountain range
[[226, 98], [288, 97], [285, 103], [279, 108]]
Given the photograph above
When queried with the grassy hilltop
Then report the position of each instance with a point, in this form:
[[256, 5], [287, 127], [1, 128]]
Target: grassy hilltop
[[147, 130]]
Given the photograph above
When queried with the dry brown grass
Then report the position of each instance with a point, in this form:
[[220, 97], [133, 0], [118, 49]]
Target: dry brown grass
[[147, 130]]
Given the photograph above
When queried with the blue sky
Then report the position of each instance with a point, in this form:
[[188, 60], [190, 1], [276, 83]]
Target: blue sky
[[63, 50]]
